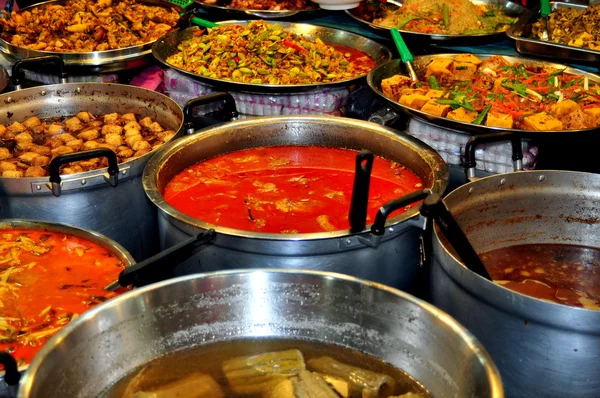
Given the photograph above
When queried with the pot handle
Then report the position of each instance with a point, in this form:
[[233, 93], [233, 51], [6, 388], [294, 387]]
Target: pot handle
[[167, 259], [34, 63], [360, 191], [378, 227], [192, 122], [517, 150], [11, 370], [112, 176]]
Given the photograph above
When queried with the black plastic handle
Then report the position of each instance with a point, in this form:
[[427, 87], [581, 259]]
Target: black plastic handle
[[197, 122], [8, 7], [11, 371], [360, 191], [60, 160], [166, 259], [515, 139], [434, 207], [378, 227], [57, 66]]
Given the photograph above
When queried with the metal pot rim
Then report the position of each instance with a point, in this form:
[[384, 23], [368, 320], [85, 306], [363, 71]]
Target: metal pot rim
[[68, 86], [168, 150], [492, 372], [530, 307]]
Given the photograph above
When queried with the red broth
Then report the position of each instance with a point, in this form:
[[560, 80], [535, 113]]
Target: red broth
[[563, 274], [361, 59], [46, 280], [284, 189]]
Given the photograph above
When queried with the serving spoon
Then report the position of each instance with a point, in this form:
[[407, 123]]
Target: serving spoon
[[545, 11], [405, 54]]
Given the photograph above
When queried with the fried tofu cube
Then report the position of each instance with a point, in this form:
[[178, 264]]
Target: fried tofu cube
[[73, 169], [434, 108], [88, 134], [462, 115], [55, 128], [166, 135], [114, 139], [75, 144], [542, 122], [469, 58], [23, 137], [563, 108], [73, 124], [35, 171], [3, 130], [440, 68], [128, 117], [145, 122], [133, 139], [62, 150], [434, 94], [416, 101], [111, 118], [12, 174], [111, 129], [594, 113], [25, 146], [7, 166], [16, 128], [133, 126], [28, 157], [40, 150], [4, 153], [41, 161], [32, 122], [90, 145], [84, 116], [125, 152], [155, 128], [141, 145], [497, 119], [463, 70], [391, 87], [66, 137]]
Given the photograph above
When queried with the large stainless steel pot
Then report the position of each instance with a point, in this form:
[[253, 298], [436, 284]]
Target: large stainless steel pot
[[542, 349], [110, 341], [392, 259], [86, 200]]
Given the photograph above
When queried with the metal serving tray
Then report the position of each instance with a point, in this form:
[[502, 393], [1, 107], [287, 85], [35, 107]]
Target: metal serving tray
[[221, 7], [547, 49]]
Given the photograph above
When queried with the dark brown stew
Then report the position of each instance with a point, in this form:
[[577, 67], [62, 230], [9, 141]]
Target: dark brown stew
[[564, 274]]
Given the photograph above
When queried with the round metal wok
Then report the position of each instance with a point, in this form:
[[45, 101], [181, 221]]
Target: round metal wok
[[367, 11], [92, 61], [221, 7], [396, 66], [167, 46]]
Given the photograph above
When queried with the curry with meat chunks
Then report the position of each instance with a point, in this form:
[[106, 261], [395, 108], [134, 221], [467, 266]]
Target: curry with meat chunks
[[268, 368], [27, 148], [286, 189], [497, 93], [573, 27], [86, 26], [47, 279], [262, 53]]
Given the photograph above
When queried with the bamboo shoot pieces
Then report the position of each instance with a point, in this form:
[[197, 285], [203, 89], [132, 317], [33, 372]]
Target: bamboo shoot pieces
[[305, 385], [195, 385]]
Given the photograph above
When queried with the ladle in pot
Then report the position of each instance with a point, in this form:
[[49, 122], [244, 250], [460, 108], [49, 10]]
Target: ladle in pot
[[360, 191], [405, 54]]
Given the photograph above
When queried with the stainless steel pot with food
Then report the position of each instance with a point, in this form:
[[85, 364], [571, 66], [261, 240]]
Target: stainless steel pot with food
[[391, 257], [111, 341], [109, 200], [541, 347]]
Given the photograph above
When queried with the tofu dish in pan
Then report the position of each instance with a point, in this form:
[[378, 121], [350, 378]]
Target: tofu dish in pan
[[497, 93]]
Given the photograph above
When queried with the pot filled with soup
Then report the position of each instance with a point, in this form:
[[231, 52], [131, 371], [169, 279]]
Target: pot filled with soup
[[264, 333], [538, 235], [278, 191]]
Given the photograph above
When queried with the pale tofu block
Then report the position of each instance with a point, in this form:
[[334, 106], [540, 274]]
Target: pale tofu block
[[28, 157], [542, 122], [463, 70], [470, 58], [434, 108], [391, 88], [4, 153], [409, 91], [415, 101], [496, 119], [462, 115], [440, 68], [32, 122], [594, 113], [563, 108], [434, 94]]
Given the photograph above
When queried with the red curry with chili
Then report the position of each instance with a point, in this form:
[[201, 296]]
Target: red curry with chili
[[283, 189], [47, 279]]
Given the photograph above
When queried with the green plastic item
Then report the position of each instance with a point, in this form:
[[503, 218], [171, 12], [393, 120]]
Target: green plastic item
[[405, 54], [204, 23], [182, 3], [545, 9]]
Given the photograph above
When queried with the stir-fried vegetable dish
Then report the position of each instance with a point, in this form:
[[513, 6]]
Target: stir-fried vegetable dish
[[47, 279], [497, 93], [579, 28], [454, 17], [287, 189], [27, 148], [266, 5], [296, 370], [86, 26], [262, 53]]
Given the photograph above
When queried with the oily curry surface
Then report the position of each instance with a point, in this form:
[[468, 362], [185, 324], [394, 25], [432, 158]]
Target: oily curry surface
[[284, 189], [47, 279]]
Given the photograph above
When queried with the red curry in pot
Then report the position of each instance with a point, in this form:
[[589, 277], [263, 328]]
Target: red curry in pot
[[47, 279], [283, 189]]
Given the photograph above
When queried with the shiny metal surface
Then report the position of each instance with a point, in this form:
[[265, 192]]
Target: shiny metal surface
[[510, 8], [167, 46], [94, 61], [3, 79], [262, 14], [111, 340], [395, 67], [122, 213], [396, 260], [550, 50], [542, 349]]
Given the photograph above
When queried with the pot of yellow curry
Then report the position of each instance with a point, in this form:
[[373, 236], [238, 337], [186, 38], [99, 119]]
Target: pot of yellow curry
[[486, 93]]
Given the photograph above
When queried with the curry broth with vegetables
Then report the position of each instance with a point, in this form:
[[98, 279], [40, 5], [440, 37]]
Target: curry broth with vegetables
[[267, 368]]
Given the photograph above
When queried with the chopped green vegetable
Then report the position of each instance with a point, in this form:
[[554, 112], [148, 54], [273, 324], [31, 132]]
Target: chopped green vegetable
[[433, 83], [402, 23], [446, 15], [461, 67], [482, 115]]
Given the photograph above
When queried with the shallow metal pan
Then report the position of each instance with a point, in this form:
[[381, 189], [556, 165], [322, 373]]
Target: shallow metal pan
[[167, 46], [511, 9], [397, 67], [221, 7], [91, 61], [546, 49]]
